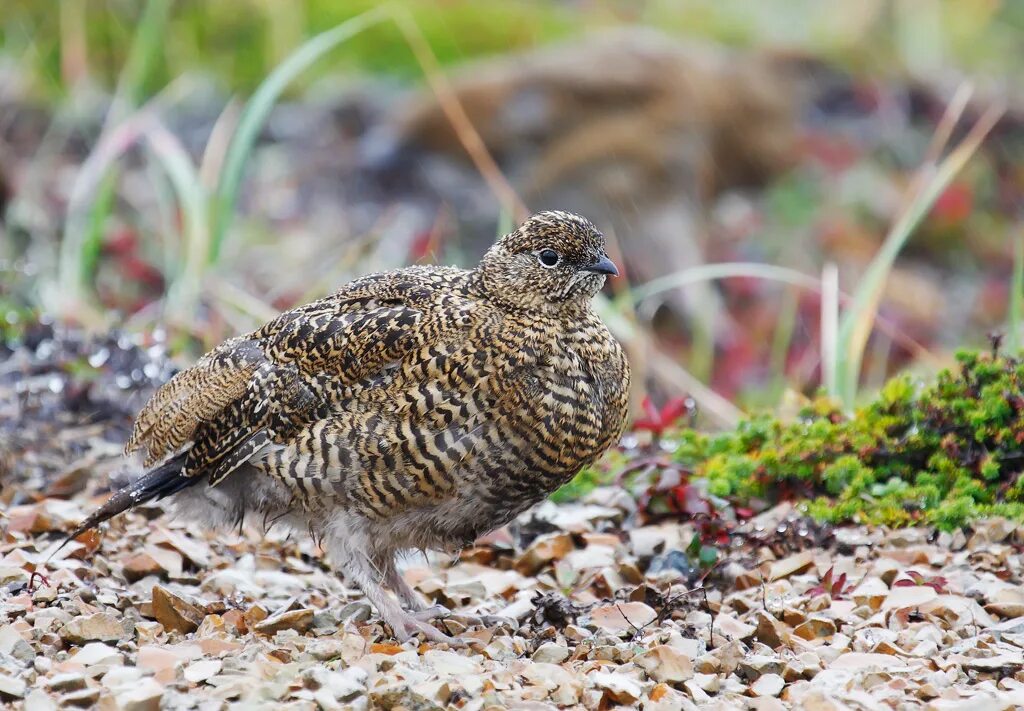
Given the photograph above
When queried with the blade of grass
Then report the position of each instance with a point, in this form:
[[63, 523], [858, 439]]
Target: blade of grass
[[1017, 294], [829, 328], [258, 109], [782, 339], [857, 322], [456, 115], [147, 45], [728, 270], [720, 270], [183, 293], [78, 241]]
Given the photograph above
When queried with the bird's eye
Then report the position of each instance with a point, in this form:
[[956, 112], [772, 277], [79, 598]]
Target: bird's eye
[[548, 257]]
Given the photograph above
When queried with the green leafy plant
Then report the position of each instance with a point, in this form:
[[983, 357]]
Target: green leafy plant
[[942, 453]]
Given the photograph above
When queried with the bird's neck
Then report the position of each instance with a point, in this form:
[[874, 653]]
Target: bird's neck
[[491, 287]]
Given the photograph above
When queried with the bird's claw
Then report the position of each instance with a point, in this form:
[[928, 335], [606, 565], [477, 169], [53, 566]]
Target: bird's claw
[[408, 626], [434, 612]]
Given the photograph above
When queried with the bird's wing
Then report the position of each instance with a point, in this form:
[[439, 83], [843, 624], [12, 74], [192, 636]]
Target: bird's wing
[[262, 386]]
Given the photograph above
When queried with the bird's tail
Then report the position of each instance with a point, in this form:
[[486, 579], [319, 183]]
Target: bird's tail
[[161, 481]]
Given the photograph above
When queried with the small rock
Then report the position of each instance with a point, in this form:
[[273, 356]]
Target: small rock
[[574, 633], [11, 687], [141, 565], [793, 565], [618, 687], [96, 654], [816, 628], [298, 620], [44, 594], [733, 628], [142, 696], [989, 531], [665, 664], [871, 592], [769, 630], [551, 653], [708, 682], [622, 617], [696, 693], [63, 683], [97, 627], [754, 666], [401, 696], [707, 664], [83, 698], [908, 596], [175, 613], [39, 700], [543, 550], [200, 671], [768, 685]]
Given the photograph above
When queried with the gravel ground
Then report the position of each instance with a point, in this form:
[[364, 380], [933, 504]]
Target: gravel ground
[[595, 611]]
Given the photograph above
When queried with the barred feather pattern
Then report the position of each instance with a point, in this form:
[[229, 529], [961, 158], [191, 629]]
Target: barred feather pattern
[[427, 404]]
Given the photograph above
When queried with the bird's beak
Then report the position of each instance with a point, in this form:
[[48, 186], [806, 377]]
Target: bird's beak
[[603, 266]]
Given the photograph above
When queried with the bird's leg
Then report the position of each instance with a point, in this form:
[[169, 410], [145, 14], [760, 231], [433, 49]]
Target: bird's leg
[[412, 600], [365, 574], [414, 603]]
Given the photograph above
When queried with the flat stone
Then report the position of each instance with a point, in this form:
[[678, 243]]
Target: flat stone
[[542, 551], [769, 630], [908, 596], [143, 696], [622, 617], [619, 687], [98, 653], [793, 565], [551, 653], [141, 565], [83, 698], [768, 685], [63, 683], [298, 620], [97, 627], [11, 687], [816, 628], [754, 666], [202, 670], [175, 613], [665, 664]]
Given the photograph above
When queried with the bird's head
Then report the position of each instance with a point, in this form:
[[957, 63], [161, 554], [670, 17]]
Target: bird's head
[[551, 261]]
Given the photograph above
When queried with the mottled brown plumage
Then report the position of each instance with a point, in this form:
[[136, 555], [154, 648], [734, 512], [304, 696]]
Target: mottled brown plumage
[[417, 408]]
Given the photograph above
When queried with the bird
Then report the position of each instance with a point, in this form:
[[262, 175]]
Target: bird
[[412, 409]]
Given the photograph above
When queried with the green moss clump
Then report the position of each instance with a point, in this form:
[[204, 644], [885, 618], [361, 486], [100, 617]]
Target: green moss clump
[[939, 454]]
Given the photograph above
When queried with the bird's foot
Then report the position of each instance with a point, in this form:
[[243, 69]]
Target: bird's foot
[[406, 626], [434, 612]]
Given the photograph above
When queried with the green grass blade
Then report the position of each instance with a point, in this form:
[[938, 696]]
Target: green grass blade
[[147, 45], [722, 270], [830, 328], [183, 293], [782, 340], [1017, 294], [857, 322], [258, 108]]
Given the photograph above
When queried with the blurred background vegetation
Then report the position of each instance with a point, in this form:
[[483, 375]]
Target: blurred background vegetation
[[806, 195]]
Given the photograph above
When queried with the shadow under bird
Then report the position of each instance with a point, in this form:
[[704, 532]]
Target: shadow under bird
[[413, 409]]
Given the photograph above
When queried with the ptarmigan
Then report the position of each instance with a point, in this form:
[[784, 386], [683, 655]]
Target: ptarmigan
[[413, 409]]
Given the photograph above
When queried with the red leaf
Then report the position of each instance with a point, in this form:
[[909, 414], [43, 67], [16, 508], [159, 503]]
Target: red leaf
[[837, 588], [955, 204]]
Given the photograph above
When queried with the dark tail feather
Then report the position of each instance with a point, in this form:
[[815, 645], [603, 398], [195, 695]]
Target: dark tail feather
[[162, 481]]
